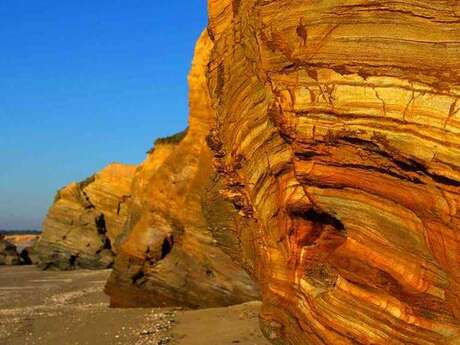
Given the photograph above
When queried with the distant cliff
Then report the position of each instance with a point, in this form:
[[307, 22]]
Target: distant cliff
[[85, 219]]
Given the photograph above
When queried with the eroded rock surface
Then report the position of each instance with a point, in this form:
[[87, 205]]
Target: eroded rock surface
[[8, 253], [334, 176], [25, 247], [85, 219], [167, 255], [337, 135]]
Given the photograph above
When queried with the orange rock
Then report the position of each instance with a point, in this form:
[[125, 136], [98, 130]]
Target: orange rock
[[168, 255], [338, 123], [85, 219], [334, 177]]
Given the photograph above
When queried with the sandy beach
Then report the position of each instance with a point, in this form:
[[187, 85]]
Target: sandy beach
[[70, 308]]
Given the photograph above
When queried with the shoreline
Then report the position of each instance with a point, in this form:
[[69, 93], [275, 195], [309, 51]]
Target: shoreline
[[69, 308]]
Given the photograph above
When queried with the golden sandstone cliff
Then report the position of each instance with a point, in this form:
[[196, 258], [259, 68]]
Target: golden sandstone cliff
[[85, 219], [158, 220], [168, 255], [332, 175], [337, 132]]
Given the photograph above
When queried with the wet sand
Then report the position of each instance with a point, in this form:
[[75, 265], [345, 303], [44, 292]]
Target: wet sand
[[70, 308]]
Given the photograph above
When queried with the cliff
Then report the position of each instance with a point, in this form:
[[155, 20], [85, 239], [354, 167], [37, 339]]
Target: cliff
[[167, 255], [322, 157], [336, 134], [85, 219]]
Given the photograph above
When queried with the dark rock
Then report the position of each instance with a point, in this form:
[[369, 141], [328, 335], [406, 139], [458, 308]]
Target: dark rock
[[8, 253]]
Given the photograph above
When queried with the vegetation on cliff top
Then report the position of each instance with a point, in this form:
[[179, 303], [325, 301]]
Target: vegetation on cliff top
[[172, 139]]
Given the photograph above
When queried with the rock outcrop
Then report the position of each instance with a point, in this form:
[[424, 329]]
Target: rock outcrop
[[167, 255], [22, 241], [336, 135], [85, 219], [24, 244], [8, 253]]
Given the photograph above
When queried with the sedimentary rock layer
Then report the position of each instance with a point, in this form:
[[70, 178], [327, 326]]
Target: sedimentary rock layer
[[337, 135], [167, 255], [85, 220]]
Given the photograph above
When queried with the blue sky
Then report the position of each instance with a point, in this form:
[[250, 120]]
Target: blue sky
[[85, 83]]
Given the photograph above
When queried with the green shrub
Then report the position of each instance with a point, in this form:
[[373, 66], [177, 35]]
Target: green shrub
[[172, 139], [83, 184]]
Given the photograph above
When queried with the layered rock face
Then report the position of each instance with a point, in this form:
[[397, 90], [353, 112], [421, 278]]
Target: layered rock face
[[334, 177], [336, 135], [167, 255], [85, 220]]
